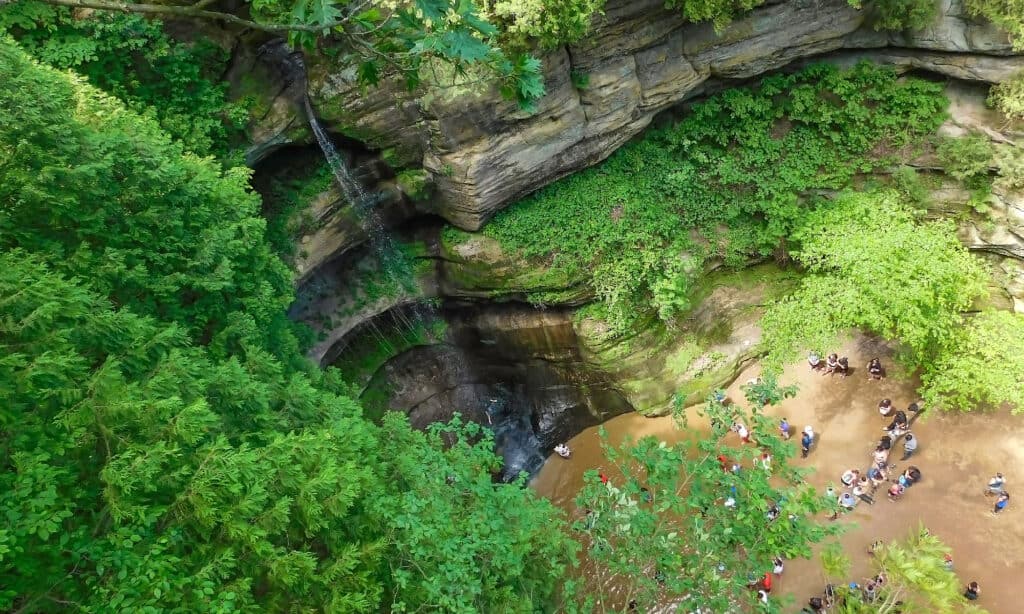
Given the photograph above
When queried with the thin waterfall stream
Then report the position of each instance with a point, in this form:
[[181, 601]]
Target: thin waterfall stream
[[395, 264]]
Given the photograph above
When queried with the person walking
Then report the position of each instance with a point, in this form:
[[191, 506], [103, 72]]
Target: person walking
[[806, 441], [972, 591], [909, 446], [784, 428], [778, 566]]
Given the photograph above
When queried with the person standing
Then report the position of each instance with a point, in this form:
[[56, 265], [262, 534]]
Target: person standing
[[784, 428], [875, 370], [778, 566], [806, 441], [909, 446], [973, 591], [885, 407]]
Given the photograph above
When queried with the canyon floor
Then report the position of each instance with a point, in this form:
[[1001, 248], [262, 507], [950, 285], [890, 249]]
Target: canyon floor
[[957, 454]]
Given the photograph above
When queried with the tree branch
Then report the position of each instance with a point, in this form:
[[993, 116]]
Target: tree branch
[[194, 12]]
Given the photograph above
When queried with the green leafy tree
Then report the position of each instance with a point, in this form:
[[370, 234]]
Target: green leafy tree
[[398, 37], [916, 580], [457, 540], [550, 23], [161, 447], [99, 191], [133, 58], [872, 265], [675, 523], [984, 365]]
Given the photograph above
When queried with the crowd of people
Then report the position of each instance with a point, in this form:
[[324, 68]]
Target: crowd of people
[[861, 486], [857, 486]]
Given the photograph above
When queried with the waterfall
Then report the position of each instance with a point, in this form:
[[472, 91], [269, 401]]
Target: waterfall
[[395, 263]]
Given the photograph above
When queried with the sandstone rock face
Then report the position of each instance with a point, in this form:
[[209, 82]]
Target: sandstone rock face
[[640, 59], [513, 368]]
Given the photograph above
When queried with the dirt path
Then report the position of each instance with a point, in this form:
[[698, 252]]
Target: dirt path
[[957, 454]]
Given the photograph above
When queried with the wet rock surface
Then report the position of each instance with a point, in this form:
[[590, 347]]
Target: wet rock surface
[[514, 369]]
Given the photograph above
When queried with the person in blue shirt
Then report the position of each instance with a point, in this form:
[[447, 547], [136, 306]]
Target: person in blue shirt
[[805, 442], [1001, 503]]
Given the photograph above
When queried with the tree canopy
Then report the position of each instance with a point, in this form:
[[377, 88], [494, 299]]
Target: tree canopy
[[164, 444]]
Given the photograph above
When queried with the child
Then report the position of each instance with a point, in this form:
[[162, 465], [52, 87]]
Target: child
[[831, 364], [996, 484], [1001, 503], [875, 370]]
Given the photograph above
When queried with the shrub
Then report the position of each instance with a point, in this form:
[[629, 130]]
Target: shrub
[[966, 158], [1008, 97], [1007, 14], [904, 14], [718, 12]]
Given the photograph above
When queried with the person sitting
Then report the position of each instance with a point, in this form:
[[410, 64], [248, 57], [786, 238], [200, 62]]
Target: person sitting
[[885, 442], [909, 477], [875, 370], [563, 450], [1001, 502], [885, 407], [896, 491], [850, 476], [877, 476], [831, 364], [844, 366], [898, 426], [847, 501], [861, 491], [814, 360], [996, 484]]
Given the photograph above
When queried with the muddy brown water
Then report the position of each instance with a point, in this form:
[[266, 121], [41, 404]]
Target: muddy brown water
[[957, 454]]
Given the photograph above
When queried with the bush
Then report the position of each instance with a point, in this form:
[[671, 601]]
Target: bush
[[718, 12], [1007, 14], [1010, 162], [1008, 97], [904, 14], [965, 158]]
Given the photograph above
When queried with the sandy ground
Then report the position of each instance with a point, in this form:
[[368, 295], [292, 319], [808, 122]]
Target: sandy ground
[[957, 454]]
